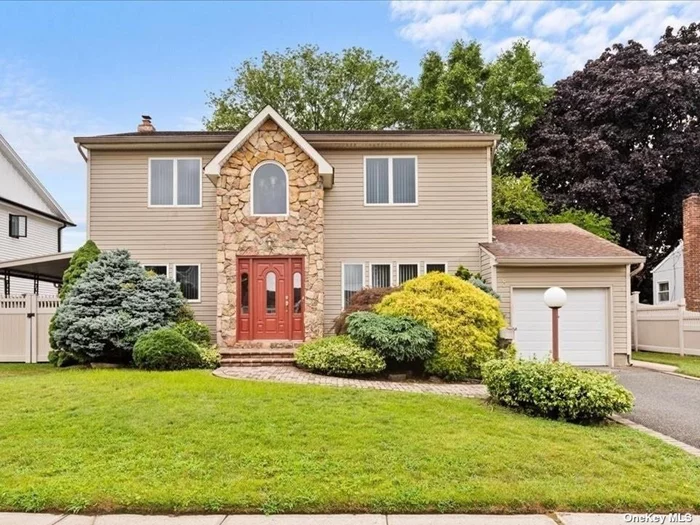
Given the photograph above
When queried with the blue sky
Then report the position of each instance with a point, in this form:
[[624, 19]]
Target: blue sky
[[84, 68]]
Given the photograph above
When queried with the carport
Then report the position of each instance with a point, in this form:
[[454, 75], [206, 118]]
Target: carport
[[43, 268], [25, 318]]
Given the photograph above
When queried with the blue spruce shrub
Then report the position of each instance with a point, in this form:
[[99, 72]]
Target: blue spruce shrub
[[111, 306]]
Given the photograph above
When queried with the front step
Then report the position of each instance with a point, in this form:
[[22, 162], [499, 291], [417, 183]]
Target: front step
[[238, 361], [247, 356]]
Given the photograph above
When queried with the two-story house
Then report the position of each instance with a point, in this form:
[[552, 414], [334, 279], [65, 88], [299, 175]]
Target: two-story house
[[33, 222], [270, 230]]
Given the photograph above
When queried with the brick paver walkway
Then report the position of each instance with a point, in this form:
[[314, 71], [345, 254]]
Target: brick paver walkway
[[291, 374]]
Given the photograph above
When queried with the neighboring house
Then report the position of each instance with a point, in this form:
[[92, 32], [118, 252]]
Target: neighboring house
[[33, 222], [677, 277], [668, 277], [270, 230]]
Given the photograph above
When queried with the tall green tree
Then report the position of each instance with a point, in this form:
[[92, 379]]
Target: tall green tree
[[516, 200], [622, 138], [314, 90], [504, 96]]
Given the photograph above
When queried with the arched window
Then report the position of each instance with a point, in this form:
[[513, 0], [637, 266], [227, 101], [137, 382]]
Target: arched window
[[270, 192]]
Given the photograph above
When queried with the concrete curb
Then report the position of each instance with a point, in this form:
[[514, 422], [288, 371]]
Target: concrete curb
[[658, 367], [9, 518], [663, 437], [664, 369]]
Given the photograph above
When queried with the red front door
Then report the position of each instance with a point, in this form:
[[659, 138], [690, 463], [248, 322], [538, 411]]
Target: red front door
[[270, 298]]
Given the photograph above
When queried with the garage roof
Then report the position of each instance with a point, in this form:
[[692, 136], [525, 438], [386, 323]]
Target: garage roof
[[554, 244]]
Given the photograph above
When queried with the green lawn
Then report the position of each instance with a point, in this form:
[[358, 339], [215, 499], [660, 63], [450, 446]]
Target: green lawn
[[689, 365], [125, 440]]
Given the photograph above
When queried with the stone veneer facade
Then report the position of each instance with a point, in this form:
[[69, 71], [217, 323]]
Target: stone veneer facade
[[241, 234]]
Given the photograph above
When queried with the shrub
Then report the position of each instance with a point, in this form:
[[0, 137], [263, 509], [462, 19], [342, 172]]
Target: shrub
[[166, 349], [340, 356], [465, 320], [362, 301], [476, 279], [82, 257], [555, 390], [196, 332], [397, 339], [209, 356], [484, 287], [60, 358], [111, 306]]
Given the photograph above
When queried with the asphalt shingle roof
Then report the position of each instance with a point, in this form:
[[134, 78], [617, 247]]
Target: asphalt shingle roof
[[551, 241]]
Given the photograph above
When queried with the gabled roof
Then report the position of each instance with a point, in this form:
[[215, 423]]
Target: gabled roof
[[213, 168], [554, 244], [24, 171], [672, 252]]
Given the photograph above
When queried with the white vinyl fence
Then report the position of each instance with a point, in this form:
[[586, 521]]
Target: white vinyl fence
[[24, 327], [666, 328]]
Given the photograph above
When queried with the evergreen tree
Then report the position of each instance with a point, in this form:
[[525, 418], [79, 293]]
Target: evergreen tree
[[114, 303]]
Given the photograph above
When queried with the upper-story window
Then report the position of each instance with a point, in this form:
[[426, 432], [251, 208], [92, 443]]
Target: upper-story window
[[175, 182], [18, 226], [270, 190], [391, 181]]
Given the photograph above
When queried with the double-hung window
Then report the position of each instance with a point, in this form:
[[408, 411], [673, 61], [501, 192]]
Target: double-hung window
[[188, 277], [175, 182], [664, 292], [380, 275], [158, 269], [407, 272], [391, 181], [18, 226], [435, 267], [353, 280]]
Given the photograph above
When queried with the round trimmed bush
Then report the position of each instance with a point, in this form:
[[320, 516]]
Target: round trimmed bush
[[396, 338], [340, 356], [555, 390], [363, 301], [194, 331], [465, 320], [166, 349]]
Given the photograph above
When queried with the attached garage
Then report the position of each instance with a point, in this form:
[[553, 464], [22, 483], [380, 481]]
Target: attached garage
[[594, 325], [583, 324]]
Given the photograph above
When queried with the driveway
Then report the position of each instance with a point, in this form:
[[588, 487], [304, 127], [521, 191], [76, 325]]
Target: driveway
[[663, 402]]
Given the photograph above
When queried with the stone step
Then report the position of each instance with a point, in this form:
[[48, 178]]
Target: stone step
[[255, 353], [257, 361]]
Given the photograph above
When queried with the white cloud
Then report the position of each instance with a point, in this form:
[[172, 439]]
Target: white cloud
[[563, 34], [557, 22], [41, 129]]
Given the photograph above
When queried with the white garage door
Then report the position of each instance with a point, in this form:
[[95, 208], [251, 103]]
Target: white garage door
[[583, 325]]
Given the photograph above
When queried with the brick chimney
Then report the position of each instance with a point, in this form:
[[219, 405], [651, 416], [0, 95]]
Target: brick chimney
[[146, 126], [691, 251]]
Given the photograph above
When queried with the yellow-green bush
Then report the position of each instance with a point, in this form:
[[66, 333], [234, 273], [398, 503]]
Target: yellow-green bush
[[465, 319]]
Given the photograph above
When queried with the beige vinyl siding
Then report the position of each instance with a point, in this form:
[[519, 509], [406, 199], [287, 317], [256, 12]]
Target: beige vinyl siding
[[614, 277], [451, 218], [120, 218], [486, 266]]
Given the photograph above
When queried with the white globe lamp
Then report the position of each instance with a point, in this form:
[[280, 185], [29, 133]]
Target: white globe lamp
[[555, 298]]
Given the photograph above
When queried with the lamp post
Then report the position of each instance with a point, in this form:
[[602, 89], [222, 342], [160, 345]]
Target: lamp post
[[555, 298]]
